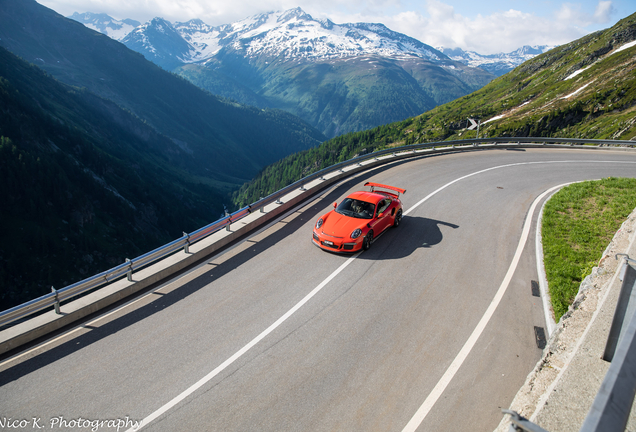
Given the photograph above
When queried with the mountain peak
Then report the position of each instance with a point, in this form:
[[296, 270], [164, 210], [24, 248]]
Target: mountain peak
[[295, 13], [498, 64], [103, 23], [159, 22]]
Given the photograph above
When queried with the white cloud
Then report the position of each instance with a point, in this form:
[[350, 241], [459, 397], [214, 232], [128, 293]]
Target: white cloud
[[603, 12], [576, 16], [505, 31]]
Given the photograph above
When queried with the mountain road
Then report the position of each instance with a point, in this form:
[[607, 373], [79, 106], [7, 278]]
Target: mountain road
[[431, 329]]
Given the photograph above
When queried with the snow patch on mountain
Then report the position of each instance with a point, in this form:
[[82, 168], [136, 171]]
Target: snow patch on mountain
[[294, 34], [617, 50], [498, 64], [291, 34], [115, 29]]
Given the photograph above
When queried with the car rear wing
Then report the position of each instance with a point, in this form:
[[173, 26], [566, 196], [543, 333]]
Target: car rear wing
[[393, 188]]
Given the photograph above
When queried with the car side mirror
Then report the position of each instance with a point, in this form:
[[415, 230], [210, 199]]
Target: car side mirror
[[335, 205]]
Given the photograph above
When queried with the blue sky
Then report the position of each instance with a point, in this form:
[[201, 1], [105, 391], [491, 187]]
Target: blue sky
[[485, 27]]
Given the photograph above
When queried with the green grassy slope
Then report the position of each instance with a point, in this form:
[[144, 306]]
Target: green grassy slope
[[578, 223], [338, 96]]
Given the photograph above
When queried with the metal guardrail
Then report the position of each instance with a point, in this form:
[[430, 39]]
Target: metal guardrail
[[78, 288], [612, 405], [93, 282], [613, 402]]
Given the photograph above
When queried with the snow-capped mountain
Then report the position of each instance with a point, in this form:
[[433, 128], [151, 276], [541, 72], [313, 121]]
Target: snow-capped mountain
[[497, 64], [115, 29], [288, 34], [292, 34], [337, 77], [161, 43]]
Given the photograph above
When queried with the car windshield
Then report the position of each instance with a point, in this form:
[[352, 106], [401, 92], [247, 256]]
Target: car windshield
[[356, 208]]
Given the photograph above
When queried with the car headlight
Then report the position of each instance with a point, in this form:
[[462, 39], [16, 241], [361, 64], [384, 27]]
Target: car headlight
[[356, 233], [319, 223]]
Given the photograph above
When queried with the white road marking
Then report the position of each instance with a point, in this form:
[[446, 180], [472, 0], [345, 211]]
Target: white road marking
[[544, 398], [430, 400], [243, 350], [502, 166], [441, 385], [542, 278], [86, 326]]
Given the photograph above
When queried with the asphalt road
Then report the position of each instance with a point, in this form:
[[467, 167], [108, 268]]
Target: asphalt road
[[277, 335]]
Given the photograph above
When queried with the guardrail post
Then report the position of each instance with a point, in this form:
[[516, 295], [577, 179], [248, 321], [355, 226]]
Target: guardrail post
[[229, 222], [186, 248], [57, 301], [129, 274], [519, 423]]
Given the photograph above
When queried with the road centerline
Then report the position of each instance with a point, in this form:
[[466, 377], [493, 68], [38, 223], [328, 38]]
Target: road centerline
[[432, 398]]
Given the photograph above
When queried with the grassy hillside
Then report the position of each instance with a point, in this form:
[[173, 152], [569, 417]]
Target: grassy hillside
[[338, 96], [586, 88]]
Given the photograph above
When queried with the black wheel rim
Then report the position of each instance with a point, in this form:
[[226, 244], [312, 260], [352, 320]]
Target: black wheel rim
[[398, 219]]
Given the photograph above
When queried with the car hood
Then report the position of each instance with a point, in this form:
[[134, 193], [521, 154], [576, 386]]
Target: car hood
[[338, 225]]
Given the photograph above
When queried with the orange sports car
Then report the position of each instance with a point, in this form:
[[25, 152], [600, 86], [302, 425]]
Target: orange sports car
[[362, 216]]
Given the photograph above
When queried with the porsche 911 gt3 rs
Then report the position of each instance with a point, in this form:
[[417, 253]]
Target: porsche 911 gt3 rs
[[362, 216]]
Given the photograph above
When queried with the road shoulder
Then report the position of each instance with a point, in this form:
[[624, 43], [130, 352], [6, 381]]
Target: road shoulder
[[558, 393]]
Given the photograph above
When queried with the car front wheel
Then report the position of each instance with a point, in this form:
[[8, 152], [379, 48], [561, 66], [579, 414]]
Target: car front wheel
[[366, 242]]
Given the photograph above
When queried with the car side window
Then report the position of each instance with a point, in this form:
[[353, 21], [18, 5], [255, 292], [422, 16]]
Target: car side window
[[383, 205]]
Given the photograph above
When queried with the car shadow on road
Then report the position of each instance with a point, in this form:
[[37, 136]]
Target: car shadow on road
[[413, 233]]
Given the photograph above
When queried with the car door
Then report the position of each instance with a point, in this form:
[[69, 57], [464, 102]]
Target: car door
[[382, 216]]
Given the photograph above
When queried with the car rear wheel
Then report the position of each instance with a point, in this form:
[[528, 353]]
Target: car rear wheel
[[398, 219], [366, 242]]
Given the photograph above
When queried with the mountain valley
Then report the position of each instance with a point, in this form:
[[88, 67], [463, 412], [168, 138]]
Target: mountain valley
[[338, 77], [106, 156]]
